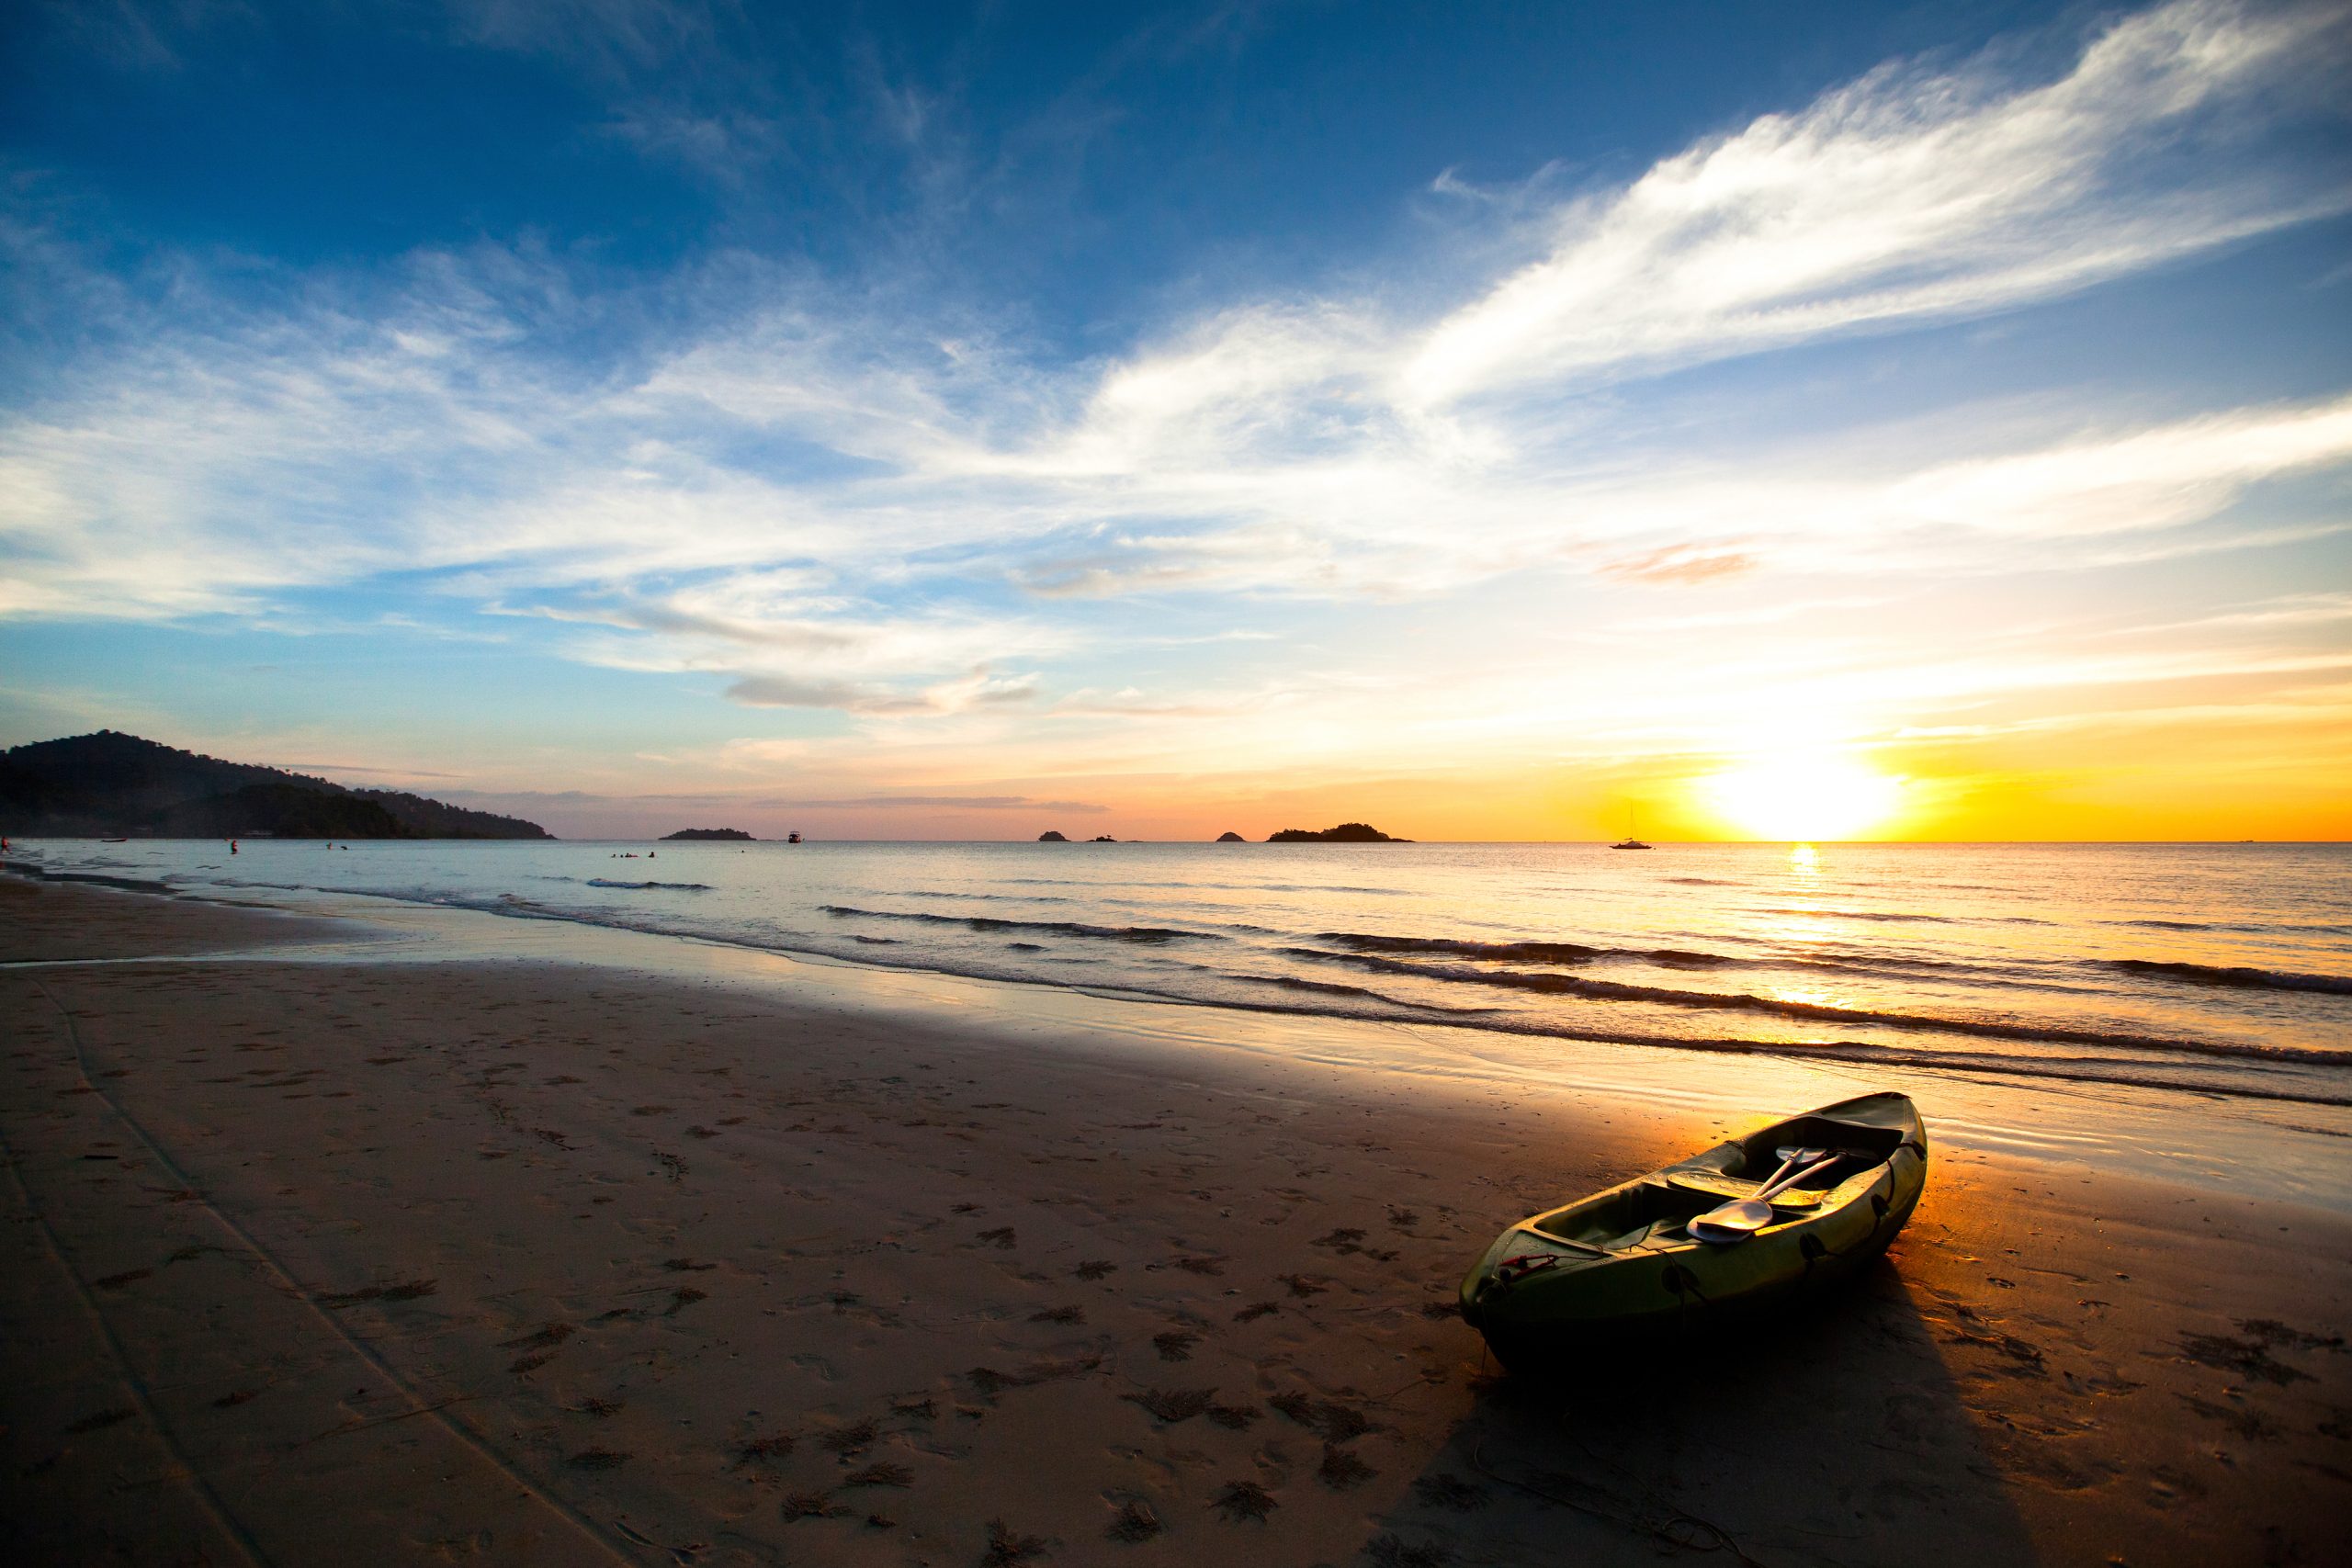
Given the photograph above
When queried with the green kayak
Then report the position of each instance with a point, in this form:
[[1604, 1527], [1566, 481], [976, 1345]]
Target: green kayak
[[1626, 1263]]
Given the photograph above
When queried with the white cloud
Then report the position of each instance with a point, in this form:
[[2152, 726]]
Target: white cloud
[[1903, 195], [1352, 448], [979, 689]]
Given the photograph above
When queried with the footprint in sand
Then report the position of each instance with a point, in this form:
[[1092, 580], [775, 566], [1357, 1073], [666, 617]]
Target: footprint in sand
[[99, 1422], [545, 1339], [1449, 1492], [1335, 1422], [1341, 1470], [1243, 1500], [883, 1474], [1007, 1549], [775, 1445], [1136, 1524], [1172, 1406], [851, 1440], [810, 1505]]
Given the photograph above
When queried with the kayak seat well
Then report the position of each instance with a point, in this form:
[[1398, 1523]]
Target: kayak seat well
[[1623, 1219], [1759, 1154]]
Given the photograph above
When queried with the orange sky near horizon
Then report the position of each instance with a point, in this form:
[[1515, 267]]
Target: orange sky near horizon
[[2220, 784]]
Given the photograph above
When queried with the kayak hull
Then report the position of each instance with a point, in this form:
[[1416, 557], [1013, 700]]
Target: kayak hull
[[1622, 1266]]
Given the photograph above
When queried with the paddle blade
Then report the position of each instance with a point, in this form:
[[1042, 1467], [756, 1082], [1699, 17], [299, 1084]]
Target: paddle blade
[[1732, 1222]]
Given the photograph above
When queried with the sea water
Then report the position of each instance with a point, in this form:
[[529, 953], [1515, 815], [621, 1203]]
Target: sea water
[[2217, 970]]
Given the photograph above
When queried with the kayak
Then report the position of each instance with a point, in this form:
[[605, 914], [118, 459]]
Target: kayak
[[1628, 1263]]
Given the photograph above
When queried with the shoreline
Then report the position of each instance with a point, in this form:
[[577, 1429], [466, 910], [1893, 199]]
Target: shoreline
[[325, 1202], [2289, 1147], [1873, 977]]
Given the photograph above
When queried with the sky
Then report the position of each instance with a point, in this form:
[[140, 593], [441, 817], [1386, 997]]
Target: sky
[[1491, 422]]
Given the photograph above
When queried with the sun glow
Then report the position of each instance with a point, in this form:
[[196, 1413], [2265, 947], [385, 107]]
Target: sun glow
[[1807, 797]]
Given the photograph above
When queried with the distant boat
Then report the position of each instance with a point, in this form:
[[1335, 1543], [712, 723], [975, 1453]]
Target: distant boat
[[792, 837], [1629, 842]]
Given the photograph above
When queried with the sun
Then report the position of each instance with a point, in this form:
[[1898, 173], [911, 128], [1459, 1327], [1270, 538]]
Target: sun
[[1804, 797]]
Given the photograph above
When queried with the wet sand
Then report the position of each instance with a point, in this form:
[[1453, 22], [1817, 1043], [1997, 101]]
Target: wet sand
[[541, 1262]]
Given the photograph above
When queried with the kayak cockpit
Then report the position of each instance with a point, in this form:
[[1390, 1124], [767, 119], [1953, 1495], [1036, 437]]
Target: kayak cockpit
[[1757, 1154], [1624, 1218], [1658, 1206]]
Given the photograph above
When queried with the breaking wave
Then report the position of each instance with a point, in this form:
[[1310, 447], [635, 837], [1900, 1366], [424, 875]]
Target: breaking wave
[[1148, 934], [1813, 1012], [2235, 977]]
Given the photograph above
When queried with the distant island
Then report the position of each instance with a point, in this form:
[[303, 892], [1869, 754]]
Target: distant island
[[1345, 833], [1050, 837], [1231, 839], [1104, 839], [732, 834], [115, 786]]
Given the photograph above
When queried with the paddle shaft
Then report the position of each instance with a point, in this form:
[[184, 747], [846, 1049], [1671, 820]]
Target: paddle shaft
[[1778, 1183]]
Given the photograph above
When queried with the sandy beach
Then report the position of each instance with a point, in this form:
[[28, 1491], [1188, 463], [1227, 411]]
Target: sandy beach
[[313, 1256]]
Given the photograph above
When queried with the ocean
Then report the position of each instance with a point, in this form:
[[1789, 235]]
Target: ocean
[[2218, 970]]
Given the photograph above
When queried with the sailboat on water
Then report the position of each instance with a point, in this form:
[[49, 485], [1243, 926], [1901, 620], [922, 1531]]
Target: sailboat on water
[[1629, 842]]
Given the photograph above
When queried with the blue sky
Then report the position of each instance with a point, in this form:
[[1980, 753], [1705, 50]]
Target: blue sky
[[1189, 417]]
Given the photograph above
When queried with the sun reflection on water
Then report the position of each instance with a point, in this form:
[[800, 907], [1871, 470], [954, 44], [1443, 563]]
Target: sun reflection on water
[[1800, 920]]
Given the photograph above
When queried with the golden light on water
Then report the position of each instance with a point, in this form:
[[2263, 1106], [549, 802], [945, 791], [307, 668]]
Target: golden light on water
[[1812, 795]]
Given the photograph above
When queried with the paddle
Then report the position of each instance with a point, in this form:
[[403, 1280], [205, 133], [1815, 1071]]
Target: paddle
[[1743, 1217]]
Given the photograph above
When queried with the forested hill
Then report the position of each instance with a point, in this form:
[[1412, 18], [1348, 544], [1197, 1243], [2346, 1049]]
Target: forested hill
[[110, 784]]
